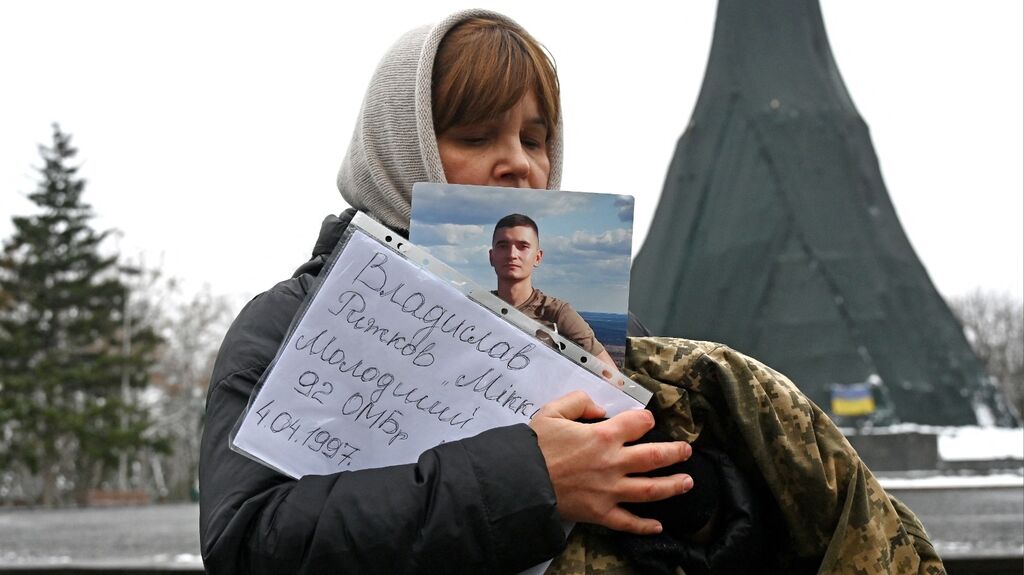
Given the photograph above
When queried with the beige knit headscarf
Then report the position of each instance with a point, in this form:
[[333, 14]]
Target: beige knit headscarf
[[394, 145]]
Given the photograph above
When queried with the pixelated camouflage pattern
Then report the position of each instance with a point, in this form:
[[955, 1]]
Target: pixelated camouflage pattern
[[590, 551], [832, 506]]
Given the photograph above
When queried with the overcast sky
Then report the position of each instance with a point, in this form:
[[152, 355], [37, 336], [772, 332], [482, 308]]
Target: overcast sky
[[210, 132]]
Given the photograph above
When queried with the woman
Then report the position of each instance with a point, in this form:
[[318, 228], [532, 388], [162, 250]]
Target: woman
[[471, 100]]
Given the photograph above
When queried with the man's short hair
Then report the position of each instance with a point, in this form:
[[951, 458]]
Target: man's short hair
[[514, 221]]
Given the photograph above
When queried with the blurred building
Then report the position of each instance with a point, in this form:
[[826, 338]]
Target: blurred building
[[776, 236]]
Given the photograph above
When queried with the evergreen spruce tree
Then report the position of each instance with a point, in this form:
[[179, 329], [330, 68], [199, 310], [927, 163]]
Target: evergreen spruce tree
[[69, 379]]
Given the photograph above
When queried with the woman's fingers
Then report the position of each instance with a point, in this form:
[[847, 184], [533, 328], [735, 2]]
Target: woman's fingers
[[572, 406], [621, 520], [628, 425], [644, 489], [593, 470], [646, 457]]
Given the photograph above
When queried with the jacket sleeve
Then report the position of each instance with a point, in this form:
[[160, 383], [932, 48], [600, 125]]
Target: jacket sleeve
[[483, 504]]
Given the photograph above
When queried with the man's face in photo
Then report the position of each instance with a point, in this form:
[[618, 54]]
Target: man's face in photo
[[515, 252]]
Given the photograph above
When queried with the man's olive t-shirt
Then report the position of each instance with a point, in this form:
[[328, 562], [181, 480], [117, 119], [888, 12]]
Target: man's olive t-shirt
[[559, 315]]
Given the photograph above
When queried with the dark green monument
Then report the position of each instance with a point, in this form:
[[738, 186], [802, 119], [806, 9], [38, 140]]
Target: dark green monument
[[775, 234]]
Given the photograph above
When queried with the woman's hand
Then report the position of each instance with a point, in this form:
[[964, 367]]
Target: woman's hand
[[591, 468]]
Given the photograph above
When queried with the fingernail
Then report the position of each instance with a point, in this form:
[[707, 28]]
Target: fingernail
[[655, 529], [687, 483]]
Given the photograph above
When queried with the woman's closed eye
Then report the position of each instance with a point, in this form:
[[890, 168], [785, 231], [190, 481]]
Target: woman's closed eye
[[473, 141], [534, 136], [532, 143]]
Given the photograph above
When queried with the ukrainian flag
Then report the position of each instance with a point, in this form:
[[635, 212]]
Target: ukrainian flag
[[852, 400]]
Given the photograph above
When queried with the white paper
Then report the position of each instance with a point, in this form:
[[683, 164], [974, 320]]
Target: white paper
[[389, 361]]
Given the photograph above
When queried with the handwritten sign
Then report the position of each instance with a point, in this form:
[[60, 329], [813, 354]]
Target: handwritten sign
[[388, 361]]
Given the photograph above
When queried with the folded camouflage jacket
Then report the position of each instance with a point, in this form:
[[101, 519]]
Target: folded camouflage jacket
[[829, 513]]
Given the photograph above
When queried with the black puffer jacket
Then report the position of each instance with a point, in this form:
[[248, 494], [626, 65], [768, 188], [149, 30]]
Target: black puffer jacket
[[480, 505]]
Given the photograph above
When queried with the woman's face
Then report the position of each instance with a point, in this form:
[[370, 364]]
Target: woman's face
[[509, 151]]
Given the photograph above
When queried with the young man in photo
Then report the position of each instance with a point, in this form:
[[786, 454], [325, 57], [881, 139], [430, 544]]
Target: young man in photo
[[515, 252]]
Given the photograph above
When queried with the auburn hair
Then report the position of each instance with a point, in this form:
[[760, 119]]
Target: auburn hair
[[483, 68]]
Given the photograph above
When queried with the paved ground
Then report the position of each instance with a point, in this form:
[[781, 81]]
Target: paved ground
[[970, 522], [158, 534], [961, 523]]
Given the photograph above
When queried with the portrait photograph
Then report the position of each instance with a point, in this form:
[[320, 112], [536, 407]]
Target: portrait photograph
[[559, 257]]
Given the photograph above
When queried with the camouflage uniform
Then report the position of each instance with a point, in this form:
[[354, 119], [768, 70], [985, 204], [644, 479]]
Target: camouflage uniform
[[833, 511]]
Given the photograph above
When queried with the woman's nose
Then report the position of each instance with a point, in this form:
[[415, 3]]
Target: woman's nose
[[513, 167]]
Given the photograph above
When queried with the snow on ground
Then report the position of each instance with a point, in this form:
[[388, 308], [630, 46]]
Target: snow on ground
[[953, 481], [179, 560], [961, 443], [188, 558], [978, 443]]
